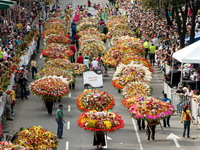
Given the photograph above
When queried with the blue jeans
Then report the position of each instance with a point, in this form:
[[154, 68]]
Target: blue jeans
[[60, 128], [186, 127]]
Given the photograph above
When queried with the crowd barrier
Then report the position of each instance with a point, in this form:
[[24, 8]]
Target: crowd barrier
[[180, 101]]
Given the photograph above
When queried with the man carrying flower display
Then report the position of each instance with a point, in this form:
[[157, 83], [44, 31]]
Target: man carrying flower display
[[60, 121]]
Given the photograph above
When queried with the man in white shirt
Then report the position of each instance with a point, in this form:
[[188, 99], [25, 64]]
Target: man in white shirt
[[94, 63]]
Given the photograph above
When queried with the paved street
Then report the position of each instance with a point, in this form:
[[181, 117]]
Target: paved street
[[33, 112]]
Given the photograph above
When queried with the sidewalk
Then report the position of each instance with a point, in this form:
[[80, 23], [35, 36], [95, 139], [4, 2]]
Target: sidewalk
[[175, 121]]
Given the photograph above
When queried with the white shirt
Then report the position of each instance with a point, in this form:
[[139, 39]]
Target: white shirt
[[86, 62], [95, 63]]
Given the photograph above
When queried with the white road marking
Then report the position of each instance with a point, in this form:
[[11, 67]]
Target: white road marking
[[69, 108], [70, 94], [174, 138], [109, 138], [67, 145], [106, 146], [137, 134], [68, 125]]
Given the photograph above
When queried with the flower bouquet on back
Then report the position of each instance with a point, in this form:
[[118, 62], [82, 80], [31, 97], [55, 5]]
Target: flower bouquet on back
[[100, 121], [5, 145], [36, 138], [95, 100], [151, 109], [136, 88], [50, 88], [126, 74]]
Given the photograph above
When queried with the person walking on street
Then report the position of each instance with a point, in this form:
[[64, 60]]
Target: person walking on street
[[141, 124], [60, 121], [33, 67], [146, 46], [49, 106], [23, 84], [99, 139], [8, 105], [151, 128], [12, 96], [186, 118], [79, 59], [152, 51], [166, 121]]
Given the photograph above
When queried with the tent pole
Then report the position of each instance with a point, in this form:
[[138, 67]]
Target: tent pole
[[181, 78], [172, 71]]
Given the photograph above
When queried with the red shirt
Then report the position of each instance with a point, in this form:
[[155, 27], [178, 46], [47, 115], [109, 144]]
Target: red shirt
[[72, 47], [101, 22], [80, 59]]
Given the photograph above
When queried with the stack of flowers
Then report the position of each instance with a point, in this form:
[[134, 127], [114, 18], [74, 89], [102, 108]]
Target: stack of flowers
[[54, 20], [95, 100], [59, 72], [36, 137], [87, 37], [60, 39], [100, 121], [4, 145], [58, 63], [128, 41], [151, 109], [50, 88], [128, 102], [131, 57], [116, 20], [78, 68], [92, 46], [56, 26], [57, 51], [136, 88], [91, 31], [86, 25], [126, 74], [50, 31]]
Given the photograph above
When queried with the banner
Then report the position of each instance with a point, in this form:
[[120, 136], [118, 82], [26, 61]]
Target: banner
[[92, 11], [92, 79]]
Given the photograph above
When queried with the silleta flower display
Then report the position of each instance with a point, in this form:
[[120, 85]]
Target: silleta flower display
[[100, 121], [36, 137], [95, 100], [132, 72], [151, 109], [50, 87]]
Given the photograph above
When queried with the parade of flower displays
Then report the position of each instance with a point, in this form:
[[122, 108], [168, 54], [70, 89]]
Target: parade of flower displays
[[100, 121], [36, 137], [95, 100]]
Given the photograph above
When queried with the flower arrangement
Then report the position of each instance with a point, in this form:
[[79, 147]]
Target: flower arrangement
[[54, 21], [55, 25], [56, 71], [127, 41], [4, 145], [50, 88], [86, 25], [78, 68], [36, 137], [92, 46], [100, 121], [60, 39], [128, 73], [136, 88], [151, 109], [57, 51], [128, 102], [91, 31], [95, 100], [59, 63], [50, 31], [129, 57]]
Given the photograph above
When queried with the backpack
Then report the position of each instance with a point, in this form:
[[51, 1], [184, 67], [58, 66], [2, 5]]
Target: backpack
[[188, 116]]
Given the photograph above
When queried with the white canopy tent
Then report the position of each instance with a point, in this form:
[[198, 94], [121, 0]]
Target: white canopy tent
[[189, 54]]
